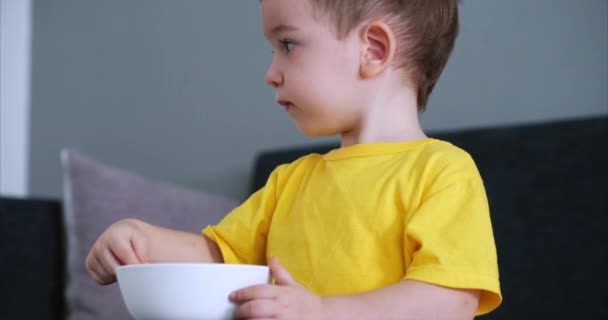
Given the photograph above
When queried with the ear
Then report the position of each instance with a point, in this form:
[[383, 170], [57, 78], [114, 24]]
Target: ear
[[378, 49]]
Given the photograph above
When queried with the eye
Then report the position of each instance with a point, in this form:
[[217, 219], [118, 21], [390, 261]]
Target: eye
[[287, 45]]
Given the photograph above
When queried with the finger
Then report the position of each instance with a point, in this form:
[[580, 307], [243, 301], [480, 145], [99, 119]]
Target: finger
[[103, 273], [91, 268], [88, 264], [280, 274], [110, 263], [256, 309], [124, 252], [140, 249], [260, 291], [96, 270], [96, 278]]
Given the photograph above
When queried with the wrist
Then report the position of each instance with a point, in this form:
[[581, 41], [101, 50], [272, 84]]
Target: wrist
[[335, 308], [325, 308]]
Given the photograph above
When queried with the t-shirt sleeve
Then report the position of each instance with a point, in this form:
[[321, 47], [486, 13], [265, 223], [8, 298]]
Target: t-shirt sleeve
[[450, 242], [242, 234]]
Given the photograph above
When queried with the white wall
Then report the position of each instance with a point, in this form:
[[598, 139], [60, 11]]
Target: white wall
[[15, 26]]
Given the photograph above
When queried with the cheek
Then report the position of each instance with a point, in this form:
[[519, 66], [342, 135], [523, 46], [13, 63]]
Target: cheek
[[320, 89], [326, 78]]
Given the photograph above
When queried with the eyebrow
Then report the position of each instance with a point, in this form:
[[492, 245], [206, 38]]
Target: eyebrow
[[281, 28]]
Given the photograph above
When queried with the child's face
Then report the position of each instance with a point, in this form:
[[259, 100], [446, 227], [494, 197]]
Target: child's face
[[316, 75]]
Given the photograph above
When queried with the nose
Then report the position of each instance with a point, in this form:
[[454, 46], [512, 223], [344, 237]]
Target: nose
[[273, 76]]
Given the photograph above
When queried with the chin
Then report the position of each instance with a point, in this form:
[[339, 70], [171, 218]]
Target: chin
[[317, 132]]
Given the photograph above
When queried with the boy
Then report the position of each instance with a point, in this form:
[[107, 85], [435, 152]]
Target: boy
[[392, 225]]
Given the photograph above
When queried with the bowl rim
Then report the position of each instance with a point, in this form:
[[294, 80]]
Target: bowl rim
[[190, 265]]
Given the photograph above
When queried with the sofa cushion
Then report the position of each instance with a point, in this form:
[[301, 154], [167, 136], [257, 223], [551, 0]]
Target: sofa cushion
[[31, 254], [97, 195]]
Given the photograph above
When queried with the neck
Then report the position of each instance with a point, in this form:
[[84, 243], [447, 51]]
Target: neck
[[390, 118]]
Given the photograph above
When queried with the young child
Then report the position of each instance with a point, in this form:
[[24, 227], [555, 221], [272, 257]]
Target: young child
[[393, 224]]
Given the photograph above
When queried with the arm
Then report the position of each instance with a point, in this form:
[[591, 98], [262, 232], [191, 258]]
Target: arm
[[133, 241], [408, 299], [168, 245]]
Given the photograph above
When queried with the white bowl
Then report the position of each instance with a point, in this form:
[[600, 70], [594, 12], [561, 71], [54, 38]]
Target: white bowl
[[185, 291]]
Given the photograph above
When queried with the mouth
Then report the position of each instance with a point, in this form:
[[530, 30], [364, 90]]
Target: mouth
[[286, 104]]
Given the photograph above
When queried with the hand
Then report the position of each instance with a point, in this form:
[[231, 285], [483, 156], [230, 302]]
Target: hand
[[285, 300], [122, 243]]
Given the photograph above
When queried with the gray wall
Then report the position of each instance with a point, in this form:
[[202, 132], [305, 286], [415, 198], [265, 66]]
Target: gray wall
[[174, 89]]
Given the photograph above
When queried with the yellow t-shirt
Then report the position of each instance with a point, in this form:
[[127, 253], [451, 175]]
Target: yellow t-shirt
[[366, 216]]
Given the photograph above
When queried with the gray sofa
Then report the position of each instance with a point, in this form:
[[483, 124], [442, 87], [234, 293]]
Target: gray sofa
[[548, 198]]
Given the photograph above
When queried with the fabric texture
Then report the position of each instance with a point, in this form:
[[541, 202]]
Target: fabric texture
[[367, 216], [31, 270], [97, 195]]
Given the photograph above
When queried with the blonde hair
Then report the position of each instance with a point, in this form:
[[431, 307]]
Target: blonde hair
[[425, 31]]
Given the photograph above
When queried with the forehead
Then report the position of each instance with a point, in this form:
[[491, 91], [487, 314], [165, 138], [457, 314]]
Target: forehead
[[287, 12]]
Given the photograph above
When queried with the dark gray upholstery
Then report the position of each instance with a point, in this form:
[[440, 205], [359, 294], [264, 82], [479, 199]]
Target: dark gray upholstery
[[31, 259]]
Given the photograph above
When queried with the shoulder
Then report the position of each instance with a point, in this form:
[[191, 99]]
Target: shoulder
[[440, 162], [303, 162], [301, 165], [444, 154]]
